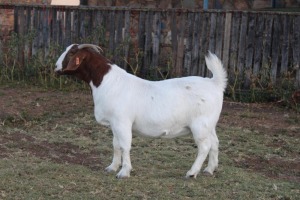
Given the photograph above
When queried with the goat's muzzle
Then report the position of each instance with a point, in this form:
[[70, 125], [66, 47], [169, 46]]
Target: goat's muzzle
[[58, 72]]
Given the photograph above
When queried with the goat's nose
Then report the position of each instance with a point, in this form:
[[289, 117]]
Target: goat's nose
[[57, 71]]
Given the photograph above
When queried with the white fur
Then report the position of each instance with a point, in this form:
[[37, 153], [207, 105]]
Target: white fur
[[167, 109], [61, 58]]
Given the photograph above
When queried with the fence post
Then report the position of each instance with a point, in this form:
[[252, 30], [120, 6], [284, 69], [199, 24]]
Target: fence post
[[155, 43], [275, 48], [226, 40], [296, 49], [249, 50]]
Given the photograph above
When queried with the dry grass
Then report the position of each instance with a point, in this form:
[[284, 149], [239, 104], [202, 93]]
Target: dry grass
[[52, 148]]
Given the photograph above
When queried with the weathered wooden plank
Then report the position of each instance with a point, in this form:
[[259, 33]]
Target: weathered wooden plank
[[21, 21], [285, 44], [96, 26], [141, 30], [68, 29], [219, 34], [156, 42], [104, 28], [81, 25], [102, 20], [141, 42], [174, 40], [188, 46], [126, 38], [112, 32], [196, 44], [54, 26], [296, 49], [40, 31], [118, 37], [35, 25], [28, 19], [46, 31], [258, 43], [180, 49], [276, 41], [90, 22], [60, 25], [22, 34], [119, 27], [76, 26], [16, 19], [267, 46], [226, 45], [249, 50], [203, 43], [28, 45], [148, 41], [212, 32], [1, 51], [236, 18], [242, 45]]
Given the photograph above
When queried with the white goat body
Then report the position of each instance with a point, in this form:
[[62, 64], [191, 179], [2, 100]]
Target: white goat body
[[167, 108], [154, 109]]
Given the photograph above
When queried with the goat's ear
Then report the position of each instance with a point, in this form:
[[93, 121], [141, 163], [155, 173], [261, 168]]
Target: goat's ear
[[74, 62]]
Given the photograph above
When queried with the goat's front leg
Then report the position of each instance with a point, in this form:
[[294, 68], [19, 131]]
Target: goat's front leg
[[124, 137], [116, 163]]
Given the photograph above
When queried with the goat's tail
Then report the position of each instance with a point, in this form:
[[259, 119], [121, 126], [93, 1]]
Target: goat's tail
[[215, 65]]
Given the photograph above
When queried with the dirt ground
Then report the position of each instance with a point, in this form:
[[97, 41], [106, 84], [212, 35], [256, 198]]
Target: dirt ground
[[22, 105]]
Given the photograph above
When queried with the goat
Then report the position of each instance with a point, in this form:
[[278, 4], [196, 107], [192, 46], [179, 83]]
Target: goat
[[166, 109]]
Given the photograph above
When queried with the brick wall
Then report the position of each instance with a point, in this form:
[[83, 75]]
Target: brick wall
[[26, 1], [7, 16], [6, 22]]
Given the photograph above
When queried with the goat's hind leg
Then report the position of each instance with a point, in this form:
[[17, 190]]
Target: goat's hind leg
[[213, 154], [203, 141]]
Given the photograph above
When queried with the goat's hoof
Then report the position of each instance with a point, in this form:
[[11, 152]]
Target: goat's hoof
[[190, 176], [123, 174], [110, 169], [208, 172], [121, 177]]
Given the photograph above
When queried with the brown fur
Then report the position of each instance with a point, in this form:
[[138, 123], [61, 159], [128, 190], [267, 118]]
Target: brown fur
[[86, 64]]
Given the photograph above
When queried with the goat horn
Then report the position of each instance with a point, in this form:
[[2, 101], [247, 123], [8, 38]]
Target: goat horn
[[95, 47]]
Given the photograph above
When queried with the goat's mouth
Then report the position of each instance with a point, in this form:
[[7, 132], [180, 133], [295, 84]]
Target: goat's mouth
[[58, 71]]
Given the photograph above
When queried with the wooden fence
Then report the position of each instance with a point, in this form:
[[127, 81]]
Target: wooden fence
[[256, 47]]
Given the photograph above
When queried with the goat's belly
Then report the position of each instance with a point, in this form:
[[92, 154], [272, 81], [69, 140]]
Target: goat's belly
[[167, 133]]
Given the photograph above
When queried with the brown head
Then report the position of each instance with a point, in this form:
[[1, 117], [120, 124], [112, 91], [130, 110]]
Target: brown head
[[85, 62]]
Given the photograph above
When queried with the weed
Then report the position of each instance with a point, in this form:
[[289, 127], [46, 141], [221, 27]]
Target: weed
[[22, 63], [263, 89]]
